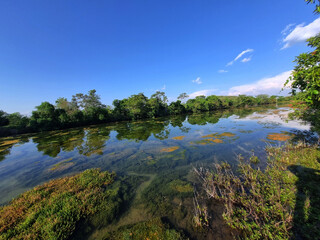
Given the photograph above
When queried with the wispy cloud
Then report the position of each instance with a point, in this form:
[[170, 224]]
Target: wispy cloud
[[222, 71], [205, 92], [287, 29], [246, 59], [300, 33], [197, 81], [239, 56], [164, 87], [271, 85]]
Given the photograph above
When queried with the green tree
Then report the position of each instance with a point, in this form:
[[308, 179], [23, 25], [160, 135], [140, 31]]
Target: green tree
[[183, 96], [317, 9], [212, 103], [3, 118], [44, 118], [176, 108], [17, 121], [306, 74], [69, 107], [86, 101], [137, 106], [158, 104]]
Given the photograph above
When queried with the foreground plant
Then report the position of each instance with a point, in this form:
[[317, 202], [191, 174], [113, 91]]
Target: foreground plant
[[280, 202], [52, 210]]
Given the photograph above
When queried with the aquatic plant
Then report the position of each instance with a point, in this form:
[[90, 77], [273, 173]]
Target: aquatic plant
[[152, 230], [178, 138], [170, 149], [278, 137], [52, 210], [283, 201]]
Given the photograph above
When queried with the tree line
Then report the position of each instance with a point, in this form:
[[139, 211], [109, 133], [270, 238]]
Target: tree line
[[86, 109]]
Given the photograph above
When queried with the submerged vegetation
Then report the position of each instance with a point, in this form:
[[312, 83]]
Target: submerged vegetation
[[53, 210], [152, 229]]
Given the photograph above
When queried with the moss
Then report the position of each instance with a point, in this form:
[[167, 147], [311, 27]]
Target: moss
[[52, 210]]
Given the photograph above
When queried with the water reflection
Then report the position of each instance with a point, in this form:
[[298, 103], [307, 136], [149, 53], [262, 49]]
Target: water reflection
[[7, 143], [93, 140], [142, 147]]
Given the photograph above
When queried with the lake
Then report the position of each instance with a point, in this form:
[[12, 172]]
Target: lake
[[162, 150]]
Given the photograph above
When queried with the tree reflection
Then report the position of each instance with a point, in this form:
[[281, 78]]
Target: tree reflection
[[95, 141], [7, 143], [141, 131], [92, 140]]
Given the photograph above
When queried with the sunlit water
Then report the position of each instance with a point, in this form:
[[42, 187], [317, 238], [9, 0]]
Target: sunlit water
[[146, 147]]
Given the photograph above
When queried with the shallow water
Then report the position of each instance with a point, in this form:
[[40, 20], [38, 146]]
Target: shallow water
[[145, 148]]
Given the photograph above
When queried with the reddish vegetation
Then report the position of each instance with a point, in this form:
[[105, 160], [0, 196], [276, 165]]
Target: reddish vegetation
[[169, 149], [278, 137], [178, 138]]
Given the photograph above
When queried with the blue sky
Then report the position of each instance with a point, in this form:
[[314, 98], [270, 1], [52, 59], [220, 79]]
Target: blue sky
[[51, 49]]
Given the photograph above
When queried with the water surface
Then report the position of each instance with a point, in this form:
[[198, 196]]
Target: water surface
[[146, 148]]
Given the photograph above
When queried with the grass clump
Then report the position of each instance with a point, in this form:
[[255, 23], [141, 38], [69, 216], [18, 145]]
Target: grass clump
[[281, 202], [153, 229], [53, 210]]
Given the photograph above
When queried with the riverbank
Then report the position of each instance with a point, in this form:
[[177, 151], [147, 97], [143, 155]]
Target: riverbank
[[283, 201], [52, 118]]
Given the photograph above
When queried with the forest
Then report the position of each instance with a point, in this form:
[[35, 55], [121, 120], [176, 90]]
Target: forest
[[87, 109]]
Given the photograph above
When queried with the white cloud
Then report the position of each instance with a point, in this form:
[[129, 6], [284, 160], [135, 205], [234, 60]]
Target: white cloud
[[301, 33], [198, 81], [205, 92], [272, 85], [287, 29], [240, 55], [164, 87], [222, 71], [246, 59]]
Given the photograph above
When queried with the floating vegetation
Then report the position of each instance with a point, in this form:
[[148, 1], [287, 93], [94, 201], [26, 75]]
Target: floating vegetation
[[53, 210], [60, 166], [169, 149], [207, 141], [178, 138], [219, 135], [211, 135], [279, 137], [216, 140], [9, 142], [227, 134]]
